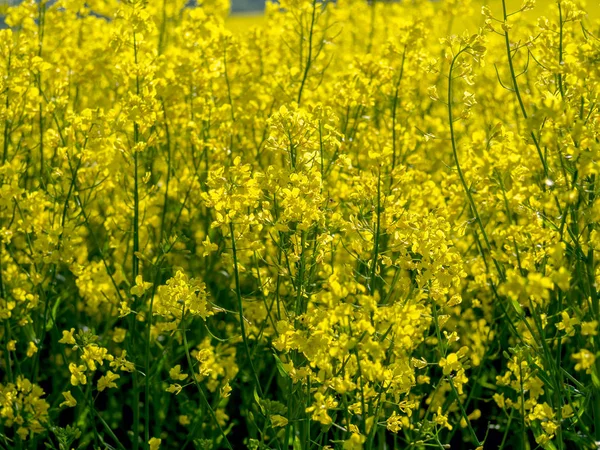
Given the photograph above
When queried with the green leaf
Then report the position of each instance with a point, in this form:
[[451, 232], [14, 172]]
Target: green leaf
[[52, 317], [258, 402], [595, 379], [280, 367]]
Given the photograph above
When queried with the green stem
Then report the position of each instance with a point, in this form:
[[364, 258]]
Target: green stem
[[136, 247], [238, 294], [310, 49], [459, 169], [517, 90], [377, 232], [451, 382], [200, 391]]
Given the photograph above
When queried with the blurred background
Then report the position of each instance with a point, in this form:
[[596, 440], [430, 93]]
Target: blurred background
[[237, 6], [240, 10], [247, 6], [246, 13]]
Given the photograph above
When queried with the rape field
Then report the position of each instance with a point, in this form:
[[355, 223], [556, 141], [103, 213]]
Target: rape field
[[345, 225]]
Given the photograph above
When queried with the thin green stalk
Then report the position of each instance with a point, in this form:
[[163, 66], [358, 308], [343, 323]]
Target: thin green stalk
[[85, 396], [517, 90], [136, 197], [200, 391], [503, 442], [596, 311], [166, 196], [467, 189], [451, 382], [7, 333], [163, 28], [147, 357], [7, 119], [522, 398], [372, 25], [310, 49], [41, 130], [559, 380], [229, 98], [136, 247], [377, 232], [458, 166], [238, 294], [300, 282], [41, 20], [307, 424], [560, 50], [289, 426], [394, 109]]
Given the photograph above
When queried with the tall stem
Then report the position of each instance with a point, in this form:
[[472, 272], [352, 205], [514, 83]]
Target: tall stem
[[238, 294], [377, 232], [459, 169], [518, 91], [200, 391], [309, 56], [135, 263]]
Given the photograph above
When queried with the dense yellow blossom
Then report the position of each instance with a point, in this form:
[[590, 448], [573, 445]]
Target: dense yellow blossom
[[355, 225]]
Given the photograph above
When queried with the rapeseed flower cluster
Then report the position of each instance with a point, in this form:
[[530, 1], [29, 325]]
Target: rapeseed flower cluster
[[352, 226]]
